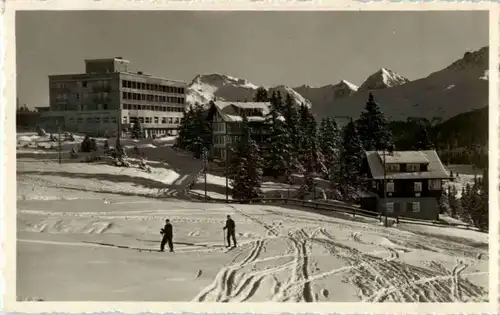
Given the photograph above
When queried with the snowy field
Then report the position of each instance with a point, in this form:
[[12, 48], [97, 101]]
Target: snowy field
[[465, 176], [90, 232]]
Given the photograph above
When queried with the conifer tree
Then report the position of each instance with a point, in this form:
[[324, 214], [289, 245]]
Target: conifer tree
[[261, 95], [292, 126], [329, 140], [423, 141], [278, 158], [373, 127], [246, 166], [279, 102], [186, 129], [454, 202], [444, 204], [137, 131], [346, 178], [194, 131]]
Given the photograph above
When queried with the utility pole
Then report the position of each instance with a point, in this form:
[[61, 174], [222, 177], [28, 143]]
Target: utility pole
[[118, 146], [385, 190], [204, 157], [59, 140], [226, 162]]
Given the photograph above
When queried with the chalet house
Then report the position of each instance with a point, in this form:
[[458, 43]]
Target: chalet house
[[226, 119], [414, 183]]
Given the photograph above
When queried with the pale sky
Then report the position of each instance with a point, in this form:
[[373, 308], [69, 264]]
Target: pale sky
[[268, 48]]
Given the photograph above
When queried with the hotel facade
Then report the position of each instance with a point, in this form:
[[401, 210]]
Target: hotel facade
[[108, 97]]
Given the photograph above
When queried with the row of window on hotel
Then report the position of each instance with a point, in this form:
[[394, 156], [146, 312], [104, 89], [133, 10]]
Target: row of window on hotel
[[151, 87], [152, 98], [152, 120], [125, 84], [126, 120], [153, 108], [434, 184], [94, 120]]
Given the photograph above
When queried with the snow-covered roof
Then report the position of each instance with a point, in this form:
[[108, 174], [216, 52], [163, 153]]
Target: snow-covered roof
[[228, 110], [400, 157], [435, 167]]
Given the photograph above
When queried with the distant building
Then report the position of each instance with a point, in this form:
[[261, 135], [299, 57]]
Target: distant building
[[226, 118], [26, 119], [108, 97], [414, 183]]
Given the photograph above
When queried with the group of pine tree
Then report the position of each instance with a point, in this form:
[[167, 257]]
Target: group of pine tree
[[297, 145]]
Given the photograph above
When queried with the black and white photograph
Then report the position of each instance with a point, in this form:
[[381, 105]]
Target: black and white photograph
[[252, 156]]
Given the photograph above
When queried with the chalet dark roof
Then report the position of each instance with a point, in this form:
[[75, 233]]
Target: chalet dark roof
[[435, 168]]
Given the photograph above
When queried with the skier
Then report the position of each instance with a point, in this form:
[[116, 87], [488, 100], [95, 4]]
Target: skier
[[231, 231], [167, 233]]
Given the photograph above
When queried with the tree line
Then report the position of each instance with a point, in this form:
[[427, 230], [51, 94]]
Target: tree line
[[297, 144]]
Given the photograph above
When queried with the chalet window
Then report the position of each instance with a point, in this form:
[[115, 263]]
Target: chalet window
[[417, 186], [413, 168], [415, 206], [390, 187], [435, 184], [392, 168], [164, 120], [389, 206], [374, 184]]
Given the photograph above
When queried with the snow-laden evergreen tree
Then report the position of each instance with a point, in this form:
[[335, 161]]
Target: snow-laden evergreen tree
[[186, 129], [454, 202], [423, 141], [279, 158], [246, 165], [137, 131], [444, 204], [347, 177], [484, 216], [475, 203], [279, 102], [292, 122], [373, 127], [194, 131], [309, 149], [261, 95], [329, 140]]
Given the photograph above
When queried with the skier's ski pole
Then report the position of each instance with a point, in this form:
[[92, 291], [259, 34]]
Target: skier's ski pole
[[223, 237]]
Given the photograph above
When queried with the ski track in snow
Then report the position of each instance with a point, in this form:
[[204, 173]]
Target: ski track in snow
[[379, 275]]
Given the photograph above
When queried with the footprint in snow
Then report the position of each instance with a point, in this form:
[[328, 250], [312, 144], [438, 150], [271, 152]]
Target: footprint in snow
[[199, 273]]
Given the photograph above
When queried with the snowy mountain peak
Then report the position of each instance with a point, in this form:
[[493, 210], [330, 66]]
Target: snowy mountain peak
[[349, 85], [284, 90], [383, 78], [216, 79]]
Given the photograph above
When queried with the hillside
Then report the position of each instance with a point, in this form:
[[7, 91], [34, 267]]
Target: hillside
[[460, 87], [326, 94]]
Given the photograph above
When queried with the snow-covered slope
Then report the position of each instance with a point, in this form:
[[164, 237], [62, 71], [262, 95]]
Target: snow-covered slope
[[382, 79], [458, 88], [204, 88], [84, 226]]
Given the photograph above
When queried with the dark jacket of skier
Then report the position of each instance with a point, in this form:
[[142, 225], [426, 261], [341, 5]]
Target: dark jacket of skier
[[231, 231], [167, 232]]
